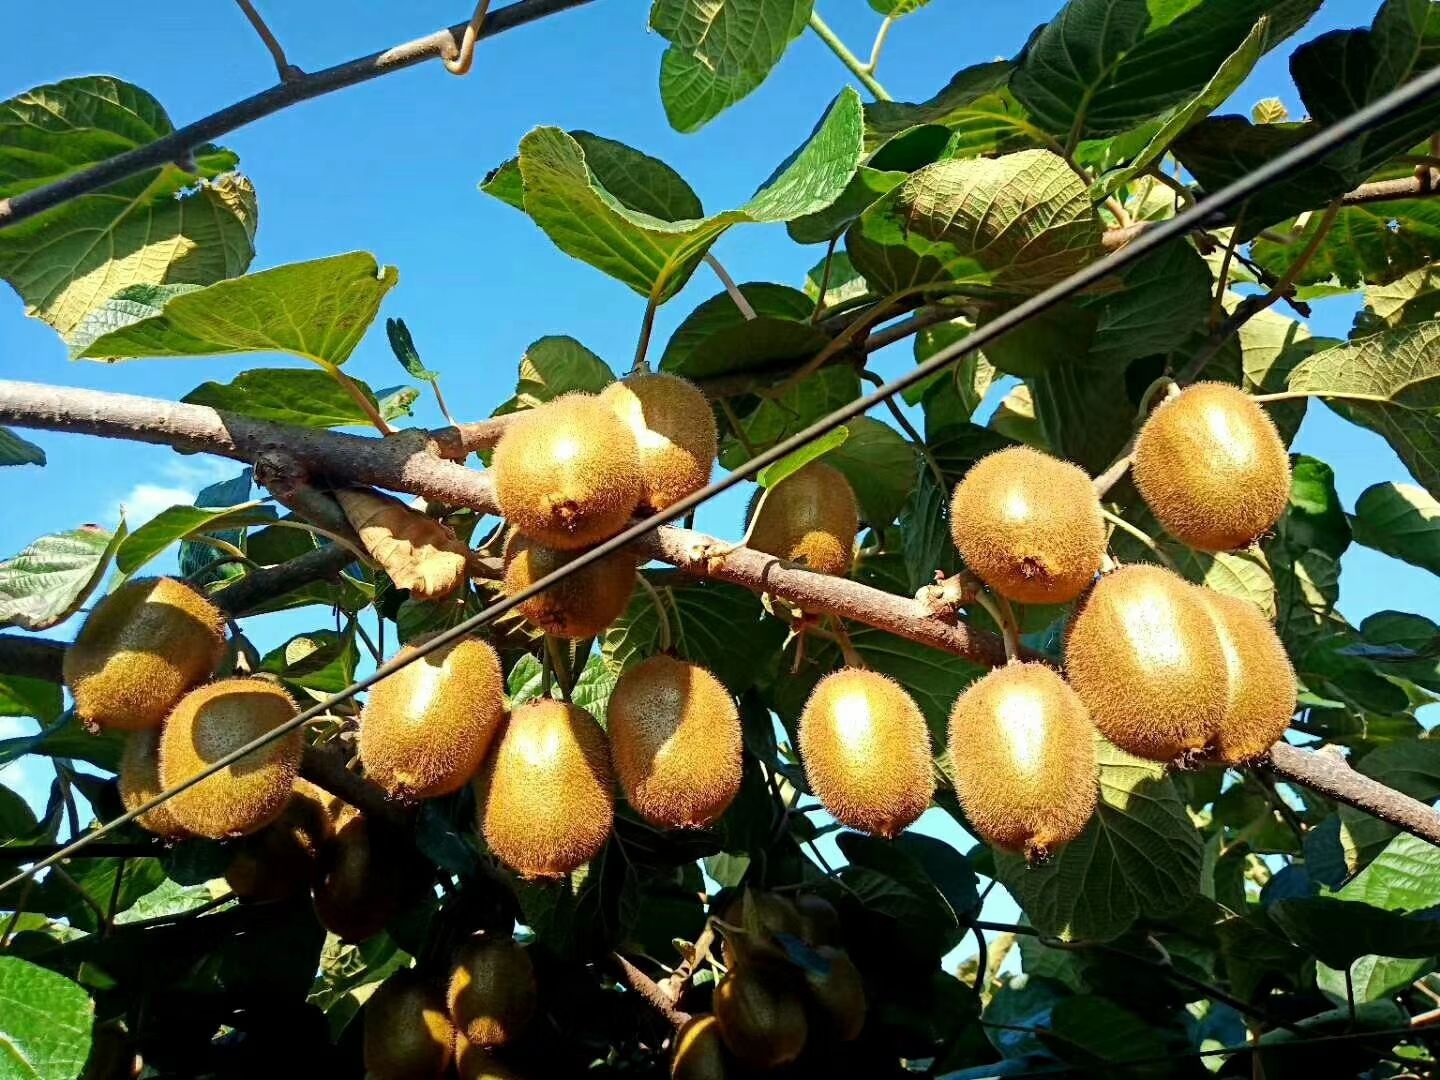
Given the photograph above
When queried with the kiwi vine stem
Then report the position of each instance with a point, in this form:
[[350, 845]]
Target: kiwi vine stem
[[860, 70], [286, 70], [1204, 212]]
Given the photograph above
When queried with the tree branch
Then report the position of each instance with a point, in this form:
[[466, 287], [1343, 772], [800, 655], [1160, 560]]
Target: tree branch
[[646, 987], [176, 145]]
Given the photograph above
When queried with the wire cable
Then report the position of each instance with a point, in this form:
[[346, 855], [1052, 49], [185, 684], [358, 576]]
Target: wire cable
[[1203, 213]]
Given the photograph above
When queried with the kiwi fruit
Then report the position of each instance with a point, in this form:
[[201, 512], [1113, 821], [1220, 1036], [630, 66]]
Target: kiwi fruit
[[1029, 525], [1023, 752], [699, 1050], [283, 859], [425, 729], [819, 921], [866, 751], [674, 428], [476, 1063], [545, 798], [1261, 684], [675, 740], [579, 606], [757, 918], [492, 992], [568, 473], [1143, 655], [367, 876], [761, 1021], [1212, 468], [140, 650], [210, 722], [839, 993], [810, 517], [139, 782], [408, 1034]]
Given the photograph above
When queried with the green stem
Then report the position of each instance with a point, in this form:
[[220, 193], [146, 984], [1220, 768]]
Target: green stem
[[848, 58], [1141, 535], [350, 387], [662, 617], [647, 324]]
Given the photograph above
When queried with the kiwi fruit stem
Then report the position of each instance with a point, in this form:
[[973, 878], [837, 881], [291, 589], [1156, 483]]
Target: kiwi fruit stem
[[662, 617]]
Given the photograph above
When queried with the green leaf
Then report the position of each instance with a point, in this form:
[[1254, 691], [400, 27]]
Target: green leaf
[[1401, 520], [897, 9], [843, 283], [195, 556], [17, 451], [1412, 298], [864, 188], [1269, 111], [639, 181], [879, 462], [22, 696], [925, 533], [1086, 1027], [719, 52], [178, 522], [1139, 856], [1163, 299], [580, 204], [1377, 243], [45, 1022], [16, 818], [926, 915], [1338, 932], [779, 417], [316, 310], [128, 306], [48, 582], [304, 397], [322, 660], [716, 338], [790, 464], [977, 107], [160, 226], [403, 346], [553, 366]]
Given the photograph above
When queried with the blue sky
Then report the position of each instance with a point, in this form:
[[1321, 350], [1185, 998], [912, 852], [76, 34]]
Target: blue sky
[[392, 167]]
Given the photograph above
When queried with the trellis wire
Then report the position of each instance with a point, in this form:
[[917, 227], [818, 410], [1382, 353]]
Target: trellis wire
[[1204, 212]]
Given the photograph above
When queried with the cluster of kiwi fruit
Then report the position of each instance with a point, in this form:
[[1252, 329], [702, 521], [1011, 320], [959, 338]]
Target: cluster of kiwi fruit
[[787, 977]]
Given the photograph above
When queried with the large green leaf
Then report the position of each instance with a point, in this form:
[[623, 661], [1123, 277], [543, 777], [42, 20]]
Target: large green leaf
[[720, 51], [1140, 856], [1162, 300], [976, 106], [159, 226], [779, 417], [588, 207], [303, 397], [17, 451], [1401, 520], [717, 339], [45, 1022], [178, 522], [23, 696], [553, 366], [1370, 243], [880, 464], [1338, 932], [47, 582], [316, 310]]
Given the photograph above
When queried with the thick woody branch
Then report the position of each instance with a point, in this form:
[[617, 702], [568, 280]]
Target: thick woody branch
[[1328, 773]]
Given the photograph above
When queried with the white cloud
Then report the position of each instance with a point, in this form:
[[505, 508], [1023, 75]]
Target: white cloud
[[178, 484]]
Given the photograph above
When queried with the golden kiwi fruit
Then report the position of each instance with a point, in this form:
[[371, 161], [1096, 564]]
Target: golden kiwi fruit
[[476, 1063], [839, 993], [1143, 655], [866, 751], [810, 517], [1261, 684], [674, 428], [209, 723], [761, 1021], [1212, 467], [579, 606], [140, 650], [425, 729], [675, 740], [1029, 525], [139, 782], [699, 1050], [568, 473], [408, 1034], [1023, 752], [545, 798], [492, 992], [367, 876], [283, 858], [758, 917]]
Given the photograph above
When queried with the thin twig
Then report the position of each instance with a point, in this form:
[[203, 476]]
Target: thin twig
[[915, 437], [746, 309], [642, 346], [287, 71], [459, 64], [848, 58], [1140, 535], [824, 279], [879, 44], [1222, 280]]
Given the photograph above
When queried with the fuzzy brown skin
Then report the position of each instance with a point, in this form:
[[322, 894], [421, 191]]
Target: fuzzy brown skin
[[408, 1034], [139, 782], [492, 992], [579, 606], [1212, 468], [425, 729], [568, 473], [1143, 655], [674, 428], [1023, 752], [839, 993], [699, 1051], [1029, 525], [210, 722], [675, 740], [140, 650], [283, 859], [1261, 699], [545, 797], [866, 751], [763, 1024], [367, 877], [811, 517], [475, 1063]]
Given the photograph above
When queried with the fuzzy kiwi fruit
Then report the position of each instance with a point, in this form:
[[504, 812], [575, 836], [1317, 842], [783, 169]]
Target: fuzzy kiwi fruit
[[568, 473], [1212, 468], [1023, 752], [819, 921], [674, 428], [675, 740], [426, 729], [139, 782], [140, 650], [545, 798], [368, 874], [209, 723], [1143, 655], [866, 751], [579, 606], [810, 517], [757, 918], [476, 1063], [1029, 525], [1261, 684], [761, 1021], [283, 858], [838, 991], [492, 992], [408, 1034], [699, 1050]]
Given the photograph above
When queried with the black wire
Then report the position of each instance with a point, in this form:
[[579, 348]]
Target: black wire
[[1203, 213]]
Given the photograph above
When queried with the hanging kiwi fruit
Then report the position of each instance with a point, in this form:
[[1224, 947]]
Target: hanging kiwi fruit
[[368, 874], [811, 517], [492, 994], [579, 606], [139, 782], [674, 429], [408, 1033], [1261, 680], [283, 859], [761, 1019], [700, 1052]]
